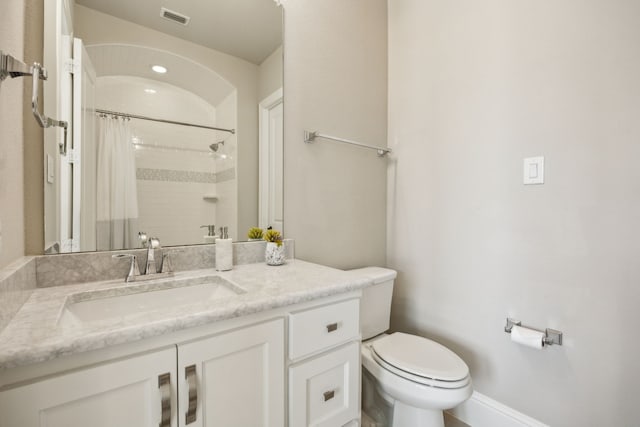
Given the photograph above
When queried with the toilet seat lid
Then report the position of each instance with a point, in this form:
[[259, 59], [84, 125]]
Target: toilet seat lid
[[421, 356]]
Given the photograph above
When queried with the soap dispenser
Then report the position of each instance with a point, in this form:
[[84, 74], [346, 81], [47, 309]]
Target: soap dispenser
[[211, 236], [224, 251]]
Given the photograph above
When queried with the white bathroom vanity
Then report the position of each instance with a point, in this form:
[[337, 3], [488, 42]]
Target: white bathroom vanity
[[282, 349]]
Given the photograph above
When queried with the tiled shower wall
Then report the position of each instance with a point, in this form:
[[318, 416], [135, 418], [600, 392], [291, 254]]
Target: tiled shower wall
[[173, 206], [176, 171], [226, 172]]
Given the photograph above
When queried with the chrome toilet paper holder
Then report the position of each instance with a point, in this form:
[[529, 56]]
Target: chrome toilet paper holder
[[552, 336]]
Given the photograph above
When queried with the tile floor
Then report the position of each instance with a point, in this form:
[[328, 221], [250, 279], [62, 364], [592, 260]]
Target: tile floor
[[450, 421]]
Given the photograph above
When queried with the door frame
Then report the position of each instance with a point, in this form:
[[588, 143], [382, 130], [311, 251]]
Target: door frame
[[264, 177]]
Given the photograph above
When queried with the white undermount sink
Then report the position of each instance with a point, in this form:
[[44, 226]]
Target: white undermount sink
[[146, 297]]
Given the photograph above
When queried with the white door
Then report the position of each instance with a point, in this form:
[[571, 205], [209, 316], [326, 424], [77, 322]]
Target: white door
[[126, 393], [57, 102], [84, 150], [271, 161], [235, 379]]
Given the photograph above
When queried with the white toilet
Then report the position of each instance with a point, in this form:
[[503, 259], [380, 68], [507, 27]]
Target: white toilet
[[407, 380]]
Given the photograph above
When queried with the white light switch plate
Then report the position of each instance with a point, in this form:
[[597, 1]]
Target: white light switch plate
[[50, 169], [533, 170]]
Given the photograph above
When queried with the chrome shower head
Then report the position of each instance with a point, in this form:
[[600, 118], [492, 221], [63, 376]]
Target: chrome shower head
[[214, 147]]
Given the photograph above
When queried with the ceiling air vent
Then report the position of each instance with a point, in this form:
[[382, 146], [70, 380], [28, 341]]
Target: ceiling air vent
[[174, 16]]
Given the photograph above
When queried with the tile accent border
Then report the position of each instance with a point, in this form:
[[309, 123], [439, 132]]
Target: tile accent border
[[150, 174], [226, 175], [147, 174]]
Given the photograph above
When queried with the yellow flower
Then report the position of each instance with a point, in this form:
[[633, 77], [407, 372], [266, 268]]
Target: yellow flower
[[273, 236]]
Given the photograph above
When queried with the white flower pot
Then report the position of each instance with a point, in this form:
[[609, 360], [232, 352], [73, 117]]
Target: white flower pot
[[274, 254]]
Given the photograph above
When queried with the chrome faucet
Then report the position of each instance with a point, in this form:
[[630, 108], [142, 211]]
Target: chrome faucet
[[151, 271], [152, 244]]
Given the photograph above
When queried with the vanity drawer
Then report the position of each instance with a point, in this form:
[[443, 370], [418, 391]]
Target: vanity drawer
[[324, 327], [323, 392]]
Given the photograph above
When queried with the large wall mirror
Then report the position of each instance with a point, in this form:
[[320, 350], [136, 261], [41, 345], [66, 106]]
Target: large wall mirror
[[176, 121]]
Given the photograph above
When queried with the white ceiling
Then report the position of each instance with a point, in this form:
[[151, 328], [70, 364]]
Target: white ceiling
[[127, 60], [248, 29]]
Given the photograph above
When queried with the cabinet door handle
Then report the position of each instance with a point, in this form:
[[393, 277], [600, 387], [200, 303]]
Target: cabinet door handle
[[164, 384], [332, 327], [328, 395], [190, 375]]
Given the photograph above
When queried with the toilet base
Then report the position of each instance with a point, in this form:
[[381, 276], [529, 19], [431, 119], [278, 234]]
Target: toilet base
[[410, 416], [381, 410]]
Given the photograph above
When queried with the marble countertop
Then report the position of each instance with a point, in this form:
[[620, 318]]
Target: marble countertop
[[35, 334]]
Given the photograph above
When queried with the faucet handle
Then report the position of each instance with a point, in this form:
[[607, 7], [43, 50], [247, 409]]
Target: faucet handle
[[166, 264], [134, 269], [142, 237]]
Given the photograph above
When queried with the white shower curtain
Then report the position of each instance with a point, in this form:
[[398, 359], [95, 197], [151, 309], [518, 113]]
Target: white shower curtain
[[117, 196]]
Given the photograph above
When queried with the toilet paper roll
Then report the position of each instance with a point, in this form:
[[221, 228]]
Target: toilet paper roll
[[529, 337]]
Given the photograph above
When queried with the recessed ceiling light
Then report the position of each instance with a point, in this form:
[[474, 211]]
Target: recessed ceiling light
[[159, 69], [150, 90]]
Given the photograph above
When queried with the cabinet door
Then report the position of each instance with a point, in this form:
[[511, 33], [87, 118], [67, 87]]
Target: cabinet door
[[324, 391], [235, 379], [125, 393]]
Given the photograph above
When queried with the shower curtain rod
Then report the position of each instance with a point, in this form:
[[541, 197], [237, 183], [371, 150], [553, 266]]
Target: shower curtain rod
[[172, 122], [171, 147]]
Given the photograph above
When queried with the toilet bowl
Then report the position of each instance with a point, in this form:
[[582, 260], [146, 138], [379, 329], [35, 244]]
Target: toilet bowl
[[417, 392], [408, 380]]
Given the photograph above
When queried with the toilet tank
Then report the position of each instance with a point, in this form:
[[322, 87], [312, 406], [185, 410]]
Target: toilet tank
[[375, 306]]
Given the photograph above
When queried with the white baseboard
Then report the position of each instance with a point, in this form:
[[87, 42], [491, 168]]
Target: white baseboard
[[482, 411]]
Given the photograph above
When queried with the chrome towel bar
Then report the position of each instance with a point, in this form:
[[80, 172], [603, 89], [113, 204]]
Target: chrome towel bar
[[309, 137], [11, 67]]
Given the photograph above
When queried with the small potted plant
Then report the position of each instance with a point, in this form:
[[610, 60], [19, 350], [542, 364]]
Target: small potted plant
[[255, 233], [274, 253]]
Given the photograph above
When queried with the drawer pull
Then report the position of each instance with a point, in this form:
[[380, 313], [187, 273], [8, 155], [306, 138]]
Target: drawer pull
[[332, 327], [190, 375], [328, 395], [164, 384]]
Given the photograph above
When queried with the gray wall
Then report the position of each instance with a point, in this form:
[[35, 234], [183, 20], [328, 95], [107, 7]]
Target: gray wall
[[11, 139], [335, 81], [270, 74], [20, 138], [474, 88], [33, 135]]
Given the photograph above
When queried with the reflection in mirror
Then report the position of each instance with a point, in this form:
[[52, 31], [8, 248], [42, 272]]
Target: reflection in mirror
[[176, 128], [182, 184]]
